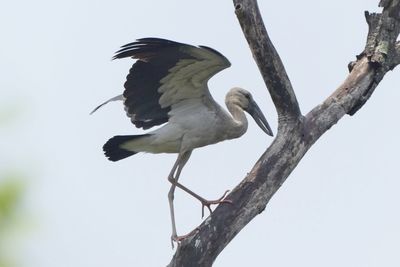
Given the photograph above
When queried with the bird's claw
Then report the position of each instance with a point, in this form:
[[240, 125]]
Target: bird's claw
[[208, 203], [178, 239]]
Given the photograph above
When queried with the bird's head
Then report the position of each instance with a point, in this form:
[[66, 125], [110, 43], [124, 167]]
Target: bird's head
[[244, 100]]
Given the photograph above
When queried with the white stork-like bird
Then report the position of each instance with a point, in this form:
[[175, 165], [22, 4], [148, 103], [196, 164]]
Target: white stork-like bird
[[168, 85]]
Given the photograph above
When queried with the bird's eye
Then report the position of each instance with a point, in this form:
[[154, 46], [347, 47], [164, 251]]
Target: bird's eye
[[247, 96]]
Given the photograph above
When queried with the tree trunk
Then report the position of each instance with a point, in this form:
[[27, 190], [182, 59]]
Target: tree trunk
[[296, 132]]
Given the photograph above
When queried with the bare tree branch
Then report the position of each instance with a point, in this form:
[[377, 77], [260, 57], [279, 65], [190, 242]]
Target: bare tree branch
[[267, 59], [296, 133]]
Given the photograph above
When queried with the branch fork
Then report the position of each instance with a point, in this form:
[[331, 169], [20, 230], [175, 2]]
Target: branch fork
[[296, 133]]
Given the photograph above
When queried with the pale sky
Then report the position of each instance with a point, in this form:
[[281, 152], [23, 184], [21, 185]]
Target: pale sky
[[340, 206]]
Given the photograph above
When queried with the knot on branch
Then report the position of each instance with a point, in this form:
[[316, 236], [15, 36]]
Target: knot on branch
[[351, 65], [239, 9]]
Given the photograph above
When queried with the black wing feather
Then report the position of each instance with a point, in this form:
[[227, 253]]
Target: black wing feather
[[156, 56]]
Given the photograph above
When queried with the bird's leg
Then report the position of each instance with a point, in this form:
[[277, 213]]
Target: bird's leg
[[173, 179], [180, 162], [171, 205], [172, 214], [204, 202]]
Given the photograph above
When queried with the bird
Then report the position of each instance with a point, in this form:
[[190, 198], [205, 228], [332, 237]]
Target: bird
[[168, 86]]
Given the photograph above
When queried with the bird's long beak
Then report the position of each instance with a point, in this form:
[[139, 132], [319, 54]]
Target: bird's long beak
[[259, 117]]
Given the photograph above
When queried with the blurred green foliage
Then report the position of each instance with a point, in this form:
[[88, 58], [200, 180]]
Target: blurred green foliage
[[12, 187], [11, 191]]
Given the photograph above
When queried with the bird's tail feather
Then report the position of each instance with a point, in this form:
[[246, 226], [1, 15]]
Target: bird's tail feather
[[115, 98], [119, 146]]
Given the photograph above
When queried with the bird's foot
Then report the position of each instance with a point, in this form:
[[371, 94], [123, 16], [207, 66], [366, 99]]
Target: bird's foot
[[178, 239], [208, 203]]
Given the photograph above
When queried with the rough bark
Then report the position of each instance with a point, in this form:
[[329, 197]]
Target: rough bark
[[296, 133], [268, 60]]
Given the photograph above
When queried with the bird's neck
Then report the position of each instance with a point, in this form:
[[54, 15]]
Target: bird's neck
[[239, 122]]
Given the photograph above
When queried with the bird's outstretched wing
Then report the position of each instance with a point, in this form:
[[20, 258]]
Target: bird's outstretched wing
[[166, 73]]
